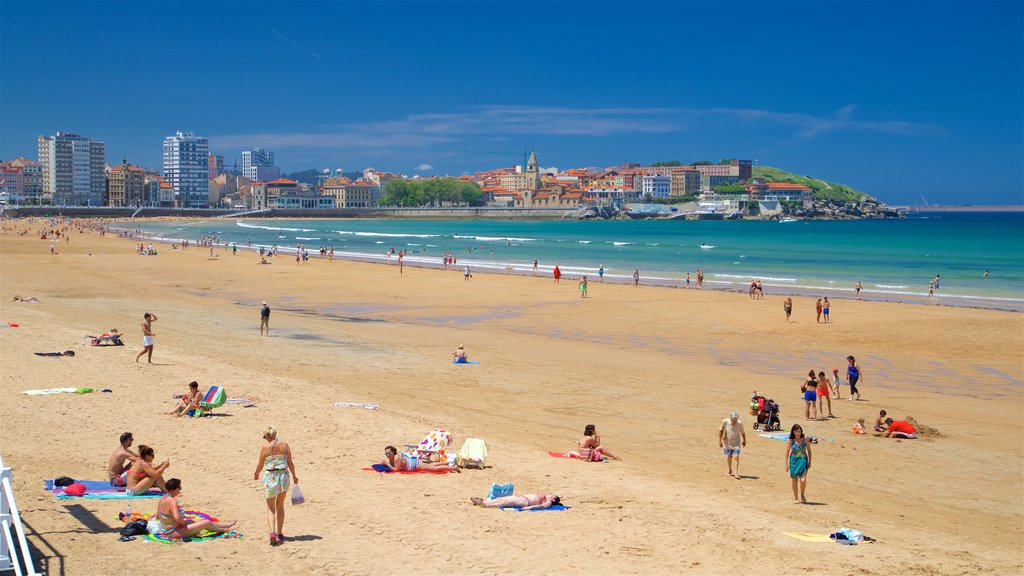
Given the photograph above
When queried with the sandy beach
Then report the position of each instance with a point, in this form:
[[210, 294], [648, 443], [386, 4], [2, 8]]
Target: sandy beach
[[656, 369]]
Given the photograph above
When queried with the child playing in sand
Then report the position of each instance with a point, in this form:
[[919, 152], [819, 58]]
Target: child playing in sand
[[859, 427], [880, 425]]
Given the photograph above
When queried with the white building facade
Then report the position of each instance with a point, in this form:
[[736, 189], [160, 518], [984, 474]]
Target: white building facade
[[657, 185], [258, 165], [73, 169], [187, 169]]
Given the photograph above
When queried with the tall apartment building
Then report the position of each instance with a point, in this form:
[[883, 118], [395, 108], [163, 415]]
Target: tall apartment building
[[31, 178], [258, 165], [657, 185], [685, 183], [73, 169], [216, 165], [187, 169], [126, 186]]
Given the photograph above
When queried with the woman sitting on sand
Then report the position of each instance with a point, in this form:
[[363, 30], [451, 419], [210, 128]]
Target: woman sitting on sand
[[170, 518], [143, 475], [190, 401], [459, 356], [402, 461], [591, 449], [526, 501]]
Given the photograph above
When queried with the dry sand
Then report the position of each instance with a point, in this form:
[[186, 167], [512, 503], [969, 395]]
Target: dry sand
[[656, 370]]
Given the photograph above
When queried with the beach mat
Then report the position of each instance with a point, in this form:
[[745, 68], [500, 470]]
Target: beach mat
[[782, 436], [191, 516], [96, 490], [555, 508], [385, 470], [46, 391], [571, 455], [368, 406], [470, 362], [809, 536]]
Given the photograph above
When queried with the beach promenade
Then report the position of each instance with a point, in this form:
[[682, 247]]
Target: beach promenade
[[655, 369]]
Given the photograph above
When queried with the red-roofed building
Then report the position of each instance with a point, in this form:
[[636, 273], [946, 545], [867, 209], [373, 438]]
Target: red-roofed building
[[787, 191]]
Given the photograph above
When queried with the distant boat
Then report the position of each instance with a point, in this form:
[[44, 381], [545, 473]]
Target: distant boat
[[706, 246], [788, 220]]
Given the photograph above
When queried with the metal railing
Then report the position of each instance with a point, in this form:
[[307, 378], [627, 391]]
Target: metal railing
[[9, 517]]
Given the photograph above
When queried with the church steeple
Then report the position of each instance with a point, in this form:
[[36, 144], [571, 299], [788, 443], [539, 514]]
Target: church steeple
[[533, 171], [531, 164]]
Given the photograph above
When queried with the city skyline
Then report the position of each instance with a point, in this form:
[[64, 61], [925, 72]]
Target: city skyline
[[928, 109]]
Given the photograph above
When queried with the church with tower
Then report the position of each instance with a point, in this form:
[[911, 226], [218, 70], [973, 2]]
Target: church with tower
[[528, 179]]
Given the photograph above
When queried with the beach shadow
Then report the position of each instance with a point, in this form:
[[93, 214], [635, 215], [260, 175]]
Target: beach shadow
[[218, 415], [303, 538], [809, 503], [42, 560], [88, 519], [744, 477]]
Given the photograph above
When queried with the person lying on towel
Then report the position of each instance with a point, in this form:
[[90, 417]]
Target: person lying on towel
[[526, 501], [402, 461]]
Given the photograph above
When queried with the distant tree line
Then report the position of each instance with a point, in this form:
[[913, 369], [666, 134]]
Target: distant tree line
[[433, 192]]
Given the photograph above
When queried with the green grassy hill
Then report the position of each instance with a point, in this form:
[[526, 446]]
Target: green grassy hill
[[822, 190]]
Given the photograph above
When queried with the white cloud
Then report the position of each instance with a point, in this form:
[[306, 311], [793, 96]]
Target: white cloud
[[424, 167]]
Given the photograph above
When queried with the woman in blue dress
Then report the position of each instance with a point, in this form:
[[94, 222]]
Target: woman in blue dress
[[798, 461]]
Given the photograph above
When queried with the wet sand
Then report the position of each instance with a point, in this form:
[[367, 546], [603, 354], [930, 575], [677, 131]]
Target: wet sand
[[656, 370]]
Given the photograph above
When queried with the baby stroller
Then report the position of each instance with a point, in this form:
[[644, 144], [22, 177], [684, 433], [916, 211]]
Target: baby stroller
[[767, 412]]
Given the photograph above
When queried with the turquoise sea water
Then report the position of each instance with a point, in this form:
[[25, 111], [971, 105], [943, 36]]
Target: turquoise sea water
[[893, 259]]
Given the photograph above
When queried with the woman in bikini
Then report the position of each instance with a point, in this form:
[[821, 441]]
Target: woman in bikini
[[275, 463], [591, 449], [143, 475], [405, 462], [189, 401], [810, 390], [170, 518], [526, 501]]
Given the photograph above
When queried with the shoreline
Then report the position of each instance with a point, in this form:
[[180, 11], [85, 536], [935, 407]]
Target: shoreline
[[574, 273]]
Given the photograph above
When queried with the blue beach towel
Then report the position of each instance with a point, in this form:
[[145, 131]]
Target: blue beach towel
[[471, 362], [96, 490], [555, 508]]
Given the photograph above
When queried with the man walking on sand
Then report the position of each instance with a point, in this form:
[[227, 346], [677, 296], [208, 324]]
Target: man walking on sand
[[731, 438], [147, 337], [265, 319]]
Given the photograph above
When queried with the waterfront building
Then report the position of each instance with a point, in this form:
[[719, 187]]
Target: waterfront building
[[216, 165], [684, 183], [782, 191], [25, 183], [719, 174], [12, 182], [126, 185], [289, 194], [521, 179], [657, 185], [73, 169], [258, 165], [358, 194], [187, 169]]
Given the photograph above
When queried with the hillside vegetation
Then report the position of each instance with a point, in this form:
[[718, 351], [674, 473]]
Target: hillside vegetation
[[822, 190]]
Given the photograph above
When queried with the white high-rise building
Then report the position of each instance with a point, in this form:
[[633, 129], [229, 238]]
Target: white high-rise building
[[187, 169], [73, 169], [258, 165], [657, 185]]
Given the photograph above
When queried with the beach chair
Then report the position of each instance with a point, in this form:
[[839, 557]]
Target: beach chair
[[473, 454], [434, 446], [215, 397]]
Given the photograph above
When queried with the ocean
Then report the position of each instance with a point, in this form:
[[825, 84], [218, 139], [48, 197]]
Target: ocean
[[893, 259]]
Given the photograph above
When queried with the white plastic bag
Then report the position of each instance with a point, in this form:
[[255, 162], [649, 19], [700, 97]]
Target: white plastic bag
[[297, 497]]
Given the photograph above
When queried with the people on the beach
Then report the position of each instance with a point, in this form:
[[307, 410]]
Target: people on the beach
[[189, 401], [900, 429], [29, 300], [557, 274], [56, 354], [856, 289], [810, 390], [404, 461], [817, 308], [759, 289], [931, 289], [822, 391], [752, 289], [275, 461], [583, 287], [170, 517], [853, 374], [534, 264], [859, 427], [880, 423], [526, 501], [935, 282], [824, 309], [466, 274], [591, 449], [636, 278], [143, 475], [787, 306], [265, 320], [459, 356], [700, 277], [147, 337], [600, 273], [732, 437], [798, 461], [985, 275], [121, 460], [687, 279], [835, 383]]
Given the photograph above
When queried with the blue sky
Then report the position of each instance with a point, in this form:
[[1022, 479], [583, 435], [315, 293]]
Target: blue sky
[[900, 100]]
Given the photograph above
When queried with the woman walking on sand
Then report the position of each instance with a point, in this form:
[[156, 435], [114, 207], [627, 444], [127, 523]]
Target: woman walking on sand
[[810, 390], [798, 462], [817, 307], [787, 306], [853, 374], [275, 462]]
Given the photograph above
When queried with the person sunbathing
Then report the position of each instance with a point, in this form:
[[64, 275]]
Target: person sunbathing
[[55, 354], [591, 449], [459, 356], [189, 401], [29, 300], [526, 501], [143, 475], [403, 461], [170, 517]]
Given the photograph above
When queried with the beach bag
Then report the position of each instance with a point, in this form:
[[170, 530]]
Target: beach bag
[[63, 481], [135, 528], [297, 497], [75, 490], [499, 490]]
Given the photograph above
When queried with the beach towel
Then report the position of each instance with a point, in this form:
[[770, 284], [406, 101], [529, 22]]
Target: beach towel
[[191, 516], [45, 391], [384, 469], [236, 401], [355, 405], [809, 536], [783, 436], [555, 508], [569, 454], [465, 363], [499, 490], [96, 490]]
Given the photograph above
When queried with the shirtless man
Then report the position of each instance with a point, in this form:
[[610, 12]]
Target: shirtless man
[[459, 356], [407, 462], [147, 337], [120, 461]]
